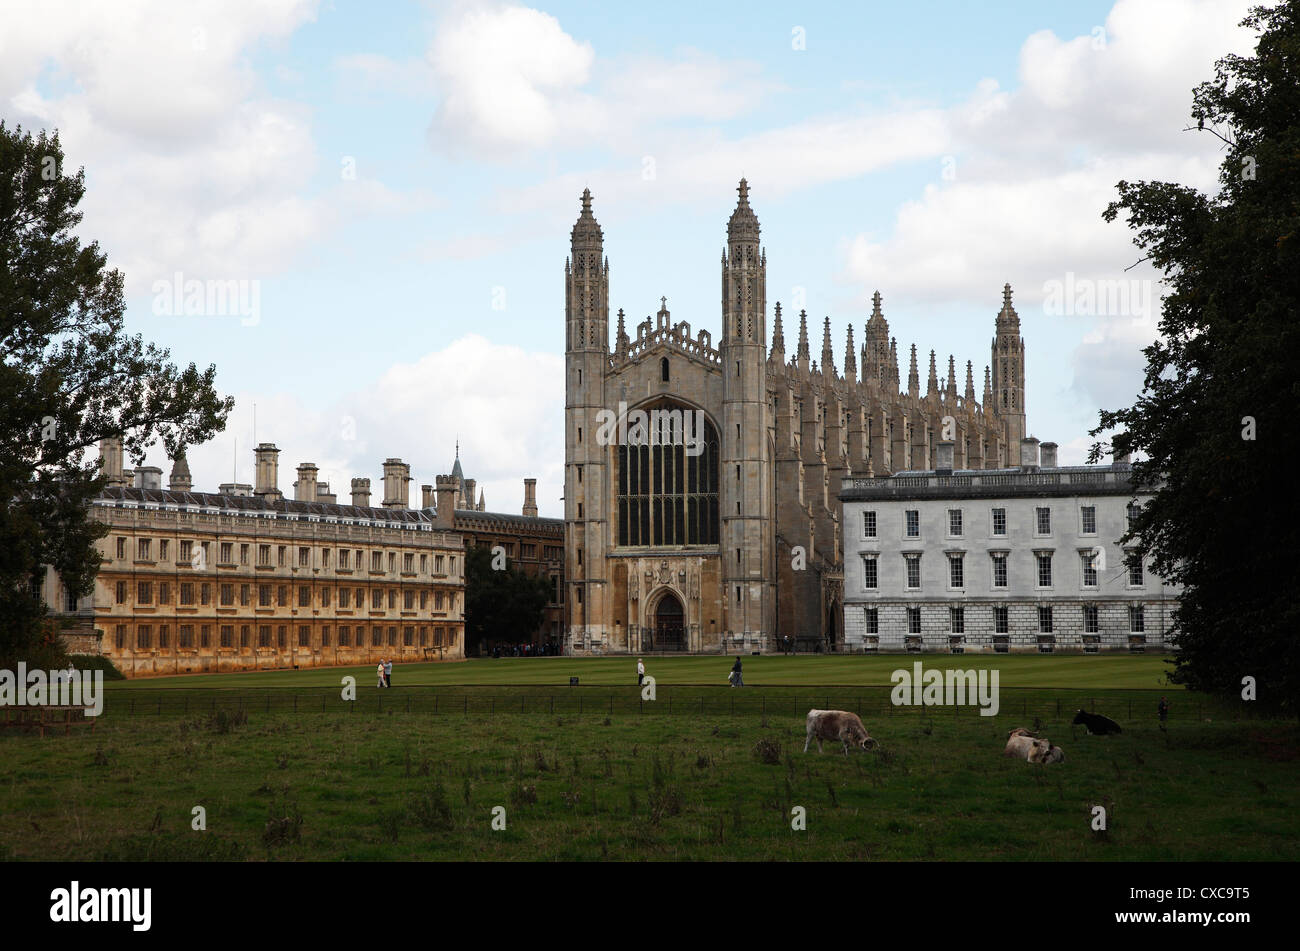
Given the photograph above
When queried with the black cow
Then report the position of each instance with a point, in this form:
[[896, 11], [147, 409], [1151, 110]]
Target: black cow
[[1096, 724]]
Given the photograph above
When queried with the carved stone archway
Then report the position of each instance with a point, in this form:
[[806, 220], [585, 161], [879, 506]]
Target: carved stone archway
[[666, 621]]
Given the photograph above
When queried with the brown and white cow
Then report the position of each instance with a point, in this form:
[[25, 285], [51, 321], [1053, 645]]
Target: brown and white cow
[[1023, 746], [837, 725]]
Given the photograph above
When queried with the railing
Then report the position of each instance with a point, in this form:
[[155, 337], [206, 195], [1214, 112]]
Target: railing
[[494, 700]]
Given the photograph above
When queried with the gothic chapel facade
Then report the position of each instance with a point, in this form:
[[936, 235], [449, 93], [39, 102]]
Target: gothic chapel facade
[[735, 542]]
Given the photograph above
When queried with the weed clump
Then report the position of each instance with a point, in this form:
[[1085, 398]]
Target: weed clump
[[768, 751]]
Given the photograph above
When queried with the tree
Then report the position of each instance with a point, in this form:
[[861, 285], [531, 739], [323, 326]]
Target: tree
[[501, 604], [69, 377], [1216, 415]]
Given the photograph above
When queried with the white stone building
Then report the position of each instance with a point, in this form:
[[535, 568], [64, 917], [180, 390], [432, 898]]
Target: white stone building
[[1004, 560]]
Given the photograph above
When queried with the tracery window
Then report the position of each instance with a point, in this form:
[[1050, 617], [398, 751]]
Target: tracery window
[[666, 496]]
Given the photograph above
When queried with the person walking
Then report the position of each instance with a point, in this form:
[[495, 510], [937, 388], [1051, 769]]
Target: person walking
[[739, 681], [388, 673], [640, 671], [1163, 710]]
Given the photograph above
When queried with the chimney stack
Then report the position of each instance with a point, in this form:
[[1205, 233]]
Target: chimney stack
[[396, 476], [1029, 454], [530, 498], [148, 477], [268, 472], [323, 493], [238, 489], [427, 498], [1049, 455], [1120, 460], [470, 500], [944, 457], [304, 490], [447, 487], [110, 455], [361, 492]]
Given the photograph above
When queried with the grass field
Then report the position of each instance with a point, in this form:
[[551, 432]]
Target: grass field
[[1121, 671], [357, 783]]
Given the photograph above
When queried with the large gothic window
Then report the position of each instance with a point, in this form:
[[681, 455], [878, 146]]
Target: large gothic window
[[665, 495]]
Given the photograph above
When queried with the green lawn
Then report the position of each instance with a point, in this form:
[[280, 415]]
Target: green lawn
[[368, 786], [1083, 672], [597, 772]]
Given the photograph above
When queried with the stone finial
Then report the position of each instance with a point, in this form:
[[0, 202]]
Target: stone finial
[[850, 359], [828, 356], [802, 354]]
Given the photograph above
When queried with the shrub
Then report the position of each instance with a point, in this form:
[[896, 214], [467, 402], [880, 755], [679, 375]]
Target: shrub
[[96, 662]]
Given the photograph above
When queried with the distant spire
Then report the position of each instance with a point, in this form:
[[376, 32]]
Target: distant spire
[[913, 378], [932, 385], [828, 356], [802, 354], [481, 505], [988, 390], [952, 378], [850, 358], [180, 480], [743, 224], [893, 361], [970, 384], [621, 341], [778, 338], [1007, 316]]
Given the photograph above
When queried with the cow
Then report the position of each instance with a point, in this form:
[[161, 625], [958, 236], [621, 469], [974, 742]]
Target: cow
[[1096, 724], [837, 725], [1053, 755], [1023, 746]]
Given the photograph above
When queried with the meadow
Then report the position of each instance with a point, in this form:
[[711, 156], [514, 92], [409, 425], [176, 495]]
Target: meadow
[[722, 776]]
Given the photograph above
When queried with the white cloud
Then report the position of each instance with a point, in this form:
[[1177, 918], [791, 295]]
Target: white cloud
[[191, 166], [512, 80], [506, 75]]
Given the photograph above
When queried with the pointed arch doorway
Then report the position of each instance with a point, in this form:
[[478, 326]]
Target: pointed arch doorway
[[669, 624]]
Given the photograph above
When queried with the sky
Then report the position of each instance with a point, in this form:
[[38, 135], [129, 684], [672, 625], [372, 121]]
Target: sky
[[386, 191]]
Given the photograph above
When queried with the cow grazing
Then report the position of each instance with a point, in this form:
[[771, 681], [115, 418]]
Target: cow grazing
[[837, 725], [1096, 724]]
